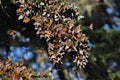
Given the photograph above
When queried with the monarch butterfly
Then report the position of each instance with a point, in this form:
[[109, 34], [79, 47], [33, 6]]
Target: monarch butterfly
[[77, 29], [24, 74], [26, 20], [91, 26], [70, 25], [65, 29], [48, 24], [47, 31], [20, 17], [55, 61], [80, 57], [50, 52], [69, 31], [43, 73], [22, 1], [34, 18], [20, 10], [51, 45], [42, 3], [78, 35], [1, 71], [12, 32], [26, 5], [51, 1], [30, 69], [39, 50], [8, 67], [67, 6], [59, 35], [18, 63]]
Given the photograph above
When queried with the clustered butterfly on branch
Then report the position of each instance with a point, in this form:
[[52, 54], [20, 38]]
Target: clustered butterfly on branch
[[59, 24], [16, 71]]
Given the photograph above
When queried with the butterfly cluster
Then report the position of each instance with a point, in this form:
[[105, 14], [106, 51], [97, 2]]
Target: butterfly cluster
[[59, 24], [16, 71]]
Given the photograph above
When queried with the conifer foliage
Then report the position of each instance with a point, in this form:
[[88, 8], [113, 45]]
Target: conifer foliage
[[59, 24]]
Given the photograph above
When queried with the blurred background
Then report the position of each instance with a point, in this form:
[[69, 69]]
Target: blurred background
[[102, 16]]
